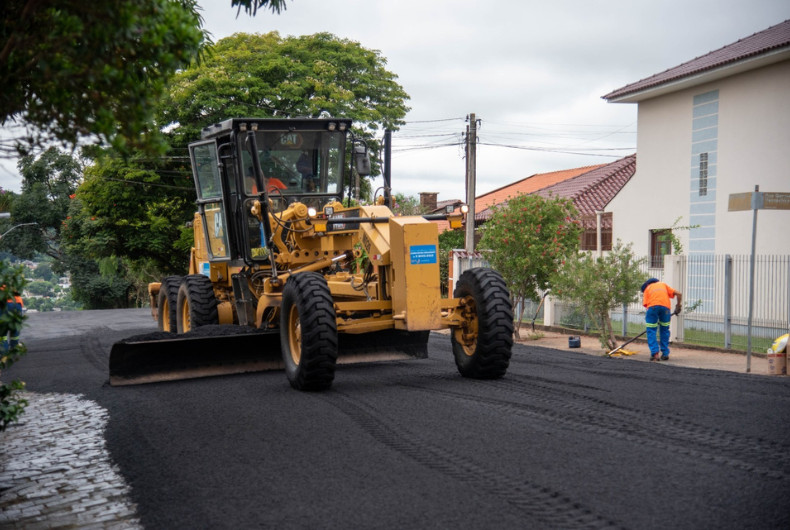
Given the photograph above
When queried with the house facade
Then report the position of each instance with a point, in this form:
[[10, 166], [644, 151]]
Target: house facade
[[711, 127]]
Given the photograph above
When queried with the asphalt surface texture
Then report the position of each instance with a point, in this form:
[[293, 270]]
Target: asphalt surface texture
[[562, 441]]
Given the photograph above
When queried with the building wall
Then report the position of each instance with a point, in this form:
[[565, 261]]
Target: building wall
[[743, 123]]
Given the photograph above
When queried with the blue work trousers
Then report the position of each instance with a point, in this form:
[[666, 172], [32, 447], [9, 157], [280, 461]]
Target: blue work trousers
[[657, 319], [11, 307]]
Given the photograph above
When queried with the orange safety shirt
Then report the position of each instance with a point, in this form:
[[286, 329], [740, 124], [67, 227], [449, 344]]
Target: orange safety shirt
[[658, 293], [274, 182]]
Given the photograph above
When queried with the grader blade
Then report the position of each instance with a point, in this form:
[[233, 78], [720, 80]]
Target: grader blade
[[150, 361], [160, 356]]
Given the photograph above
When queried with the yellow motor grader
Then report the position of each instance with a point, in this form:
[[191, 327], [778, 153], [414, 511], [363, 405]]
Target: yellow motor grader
[[301, 281]]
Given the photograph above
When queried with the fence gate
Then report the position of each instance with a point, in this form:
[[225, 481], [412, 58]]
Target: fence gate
[[460, 261]]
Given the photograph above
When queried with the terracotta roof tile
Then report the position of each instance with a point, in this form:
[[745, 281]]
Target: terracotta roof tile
[[770, 39], [528, 185], [590, 191]]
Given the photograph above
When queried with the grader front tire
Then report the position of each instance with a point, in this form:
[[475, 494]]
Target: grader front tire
[[197, 304], [308, 332], [482, 348], [167, 302]]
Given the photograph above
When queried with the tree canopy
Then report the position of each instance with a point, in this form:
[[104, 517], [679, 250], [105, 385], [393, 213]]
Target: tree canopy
[[72, 69], [267, 75], [135, 209], [529, 237], [251, 6], [48, 181]]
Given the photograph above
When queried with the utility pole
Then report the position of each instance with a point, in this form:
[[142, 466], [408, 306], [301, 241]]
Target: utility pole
[[388, 168], [471, 170]]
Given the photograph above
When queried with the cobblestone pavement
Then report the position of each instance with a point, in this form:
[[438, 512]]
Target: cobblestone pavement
[[55, 471]]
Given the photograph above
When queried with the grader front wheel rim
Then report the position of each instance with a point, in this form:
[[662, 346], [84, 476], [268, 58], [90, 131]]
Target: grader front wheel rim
[[295, 335], [466, 334]]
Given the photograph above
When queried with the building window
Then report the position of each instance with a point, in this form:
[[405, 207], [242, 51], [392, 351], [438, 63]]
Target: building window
[[660, 246], [589, 239], [703, 174]]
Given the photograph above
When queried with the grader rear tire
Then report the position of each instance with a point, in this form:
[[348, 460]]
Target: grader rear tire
[[483, 349], [197, 305], [308, 332], [167, 302]]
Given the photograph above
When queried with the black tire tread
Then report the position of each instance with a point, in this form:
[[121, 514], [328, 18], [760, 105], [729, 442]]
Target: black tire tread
[[169, 288], [202, 302], [495, 330], [319, 332]]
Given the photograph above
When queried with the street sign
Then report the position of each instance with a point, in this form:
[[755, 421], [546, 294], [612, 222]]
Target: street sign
[[758, 201], [740, 202], [755, 200], [776, 201]]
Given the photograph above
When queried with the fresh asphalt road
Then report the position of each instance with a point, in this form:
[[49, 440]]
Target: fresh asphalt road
[[565, 440]]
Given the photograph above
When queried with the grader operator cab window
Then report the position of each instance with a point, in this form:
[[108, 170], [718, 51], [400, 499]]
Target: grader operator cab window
[[298, 166], [210, 202], [297, 163]]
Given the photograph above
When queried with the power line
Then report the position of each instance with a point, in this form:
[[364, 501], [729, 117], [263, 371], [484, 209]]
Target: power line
[[557, 124], [434, 121], [547, 150], [147, 184], [415, 148]]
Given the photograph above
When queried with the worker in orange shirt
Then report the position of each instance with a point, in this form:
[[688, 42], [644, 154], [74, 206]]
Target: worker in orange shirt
[[655, 298], [14, 305]]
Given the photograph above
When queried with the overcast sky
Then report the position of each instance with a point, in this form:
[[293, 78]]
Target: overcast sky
[[532, 71]]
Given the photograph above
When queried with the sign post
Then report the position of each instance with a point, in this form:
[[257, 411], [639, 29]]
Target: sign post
[[755, 201]]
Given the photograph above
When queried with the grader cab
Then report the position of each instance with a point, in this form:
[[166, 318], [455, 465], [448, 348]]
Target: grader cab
[[283, 275]]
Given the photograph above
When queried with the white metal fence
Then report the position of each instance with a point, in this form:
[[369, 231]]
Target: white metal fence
[[719, 286], [715, 299]]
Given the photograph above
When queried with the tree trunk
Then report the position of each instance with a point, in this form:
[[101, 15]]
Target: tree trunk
[[607, 335], [518, 315], [610, 332]]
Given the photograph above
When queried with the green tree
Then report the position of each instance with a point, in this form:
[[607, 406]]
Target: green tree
[[600, 285], [251, 6], [43, 272], [41, 288], [261, 76], [11, 404], [136, 210], [94, 288], [48, 181], [448, 240], [407, 205], [6, 200], [529, 237], [72, 69]]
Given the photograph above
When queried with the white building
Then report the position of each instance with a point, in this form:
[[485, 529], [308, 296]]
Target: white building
[[716, 125]]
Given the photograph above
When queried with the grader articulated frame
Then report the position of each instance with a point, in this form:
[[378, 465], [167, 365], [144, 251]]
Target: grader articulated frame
[[305, 281]]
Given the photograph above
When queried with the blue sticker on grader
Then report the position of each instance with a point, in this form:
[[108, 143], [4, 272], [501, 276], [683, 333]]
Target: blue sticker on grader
[[422, 254], [205, 269]]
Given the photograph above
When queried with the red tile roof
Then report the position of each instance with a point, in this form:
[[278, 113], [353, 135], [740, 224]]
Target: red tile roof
[[529, 184], [767, 40], [441, 205], [591, 190]]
